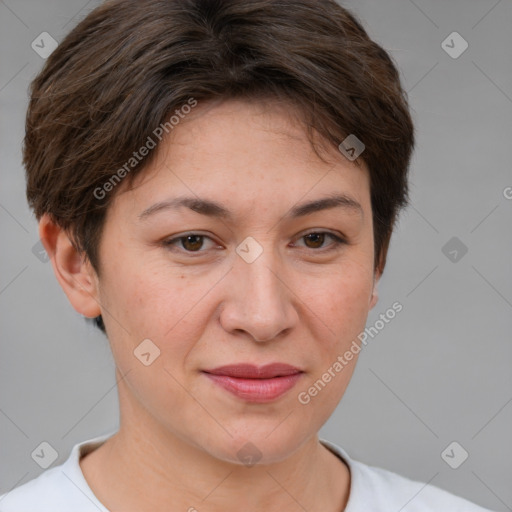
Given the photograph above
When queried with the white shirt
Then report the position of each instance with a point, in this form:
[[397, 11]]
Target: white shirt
[[64, 489]]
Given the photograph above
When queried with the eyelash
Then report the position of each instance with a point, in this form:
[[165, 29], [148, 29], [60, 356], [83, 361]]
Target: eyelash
[[337, 241]]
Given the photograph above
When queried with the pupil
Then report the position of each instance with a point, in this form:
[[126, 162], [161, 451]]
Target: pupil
[[317, 237], [196, 245]]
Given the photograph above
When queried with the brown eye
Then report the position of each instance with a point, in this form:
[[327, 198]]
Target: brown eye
[[315, 240], [190, 243]]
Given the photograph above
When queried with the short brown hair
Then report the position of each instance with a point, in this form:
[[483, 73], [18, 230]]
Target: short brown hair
[[125, 68]]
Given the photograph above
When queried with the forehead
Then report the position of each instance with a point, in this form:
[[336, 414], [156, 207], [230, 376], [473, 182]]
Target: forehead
[[245, 152]]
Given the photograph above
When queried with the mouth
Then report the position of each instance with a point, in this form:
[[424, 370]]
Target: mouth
[[255, 384]]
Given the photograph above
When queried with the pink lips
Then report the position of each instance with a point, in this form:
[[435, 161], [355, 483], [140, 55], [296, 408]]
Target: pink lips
[[256, 384]]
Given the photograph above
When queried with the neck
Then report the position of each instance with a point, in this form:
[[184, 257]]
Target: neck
[[145, 467]]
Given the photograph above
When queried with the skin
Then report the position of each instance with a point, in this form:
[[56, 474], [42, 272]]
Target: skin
[[302, 301]]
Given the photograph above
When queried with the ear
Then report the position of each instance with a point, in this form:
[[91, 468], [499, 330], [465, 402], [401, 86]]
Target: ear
[[72, 269], [375, 295]]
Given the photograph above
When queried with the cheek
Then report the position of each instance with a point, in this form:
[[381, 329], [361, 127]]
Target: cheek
[[340, 309], [164, 306], [350, 302], [343, 300]]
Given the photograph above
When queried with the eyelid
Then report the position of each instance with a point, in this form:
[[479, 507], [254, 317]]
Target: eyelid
[[170, 242], [338, 239], [322, 231]]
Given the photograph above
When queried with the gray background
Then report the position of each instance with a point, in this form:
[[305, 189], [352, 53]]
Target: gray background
[[439, 372]]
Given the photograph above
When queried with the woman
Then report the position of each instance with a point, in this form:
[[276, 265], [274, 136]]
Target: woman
[[216, 184]]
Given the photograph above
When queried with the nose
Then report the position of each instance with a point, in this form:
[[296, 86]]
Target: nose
[[259, 301]]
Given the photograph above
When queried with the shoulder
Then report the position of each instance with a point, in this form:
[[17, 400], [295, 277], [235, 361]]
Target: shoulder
[[61, 488], [374, 488], [49, 491]]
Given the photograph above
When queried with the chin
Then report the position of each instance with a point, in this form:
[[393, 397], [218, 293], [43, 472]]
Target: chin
[[258, 447]]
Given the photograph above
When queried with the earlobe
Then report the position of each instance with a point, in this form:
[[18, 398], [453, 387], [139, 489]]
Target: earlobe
[[375, 294], [73, 271], [374, 298]]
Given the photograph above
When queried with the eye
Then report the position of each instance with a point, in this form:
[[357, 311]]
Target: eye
[[194, 242], [191, 242], [315, 240]]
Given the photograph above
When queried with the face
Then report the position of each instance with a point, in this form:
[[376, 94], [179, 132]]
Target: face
[[254, 280]]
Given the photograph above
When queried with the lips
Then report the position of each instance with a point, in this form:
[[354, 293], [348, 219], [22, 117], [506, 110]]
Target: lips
[[249, 371], [256, 384]]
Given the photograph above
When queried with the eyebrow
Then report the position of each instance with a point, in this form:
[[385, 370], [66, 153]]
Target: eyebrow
[[214, 209]]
